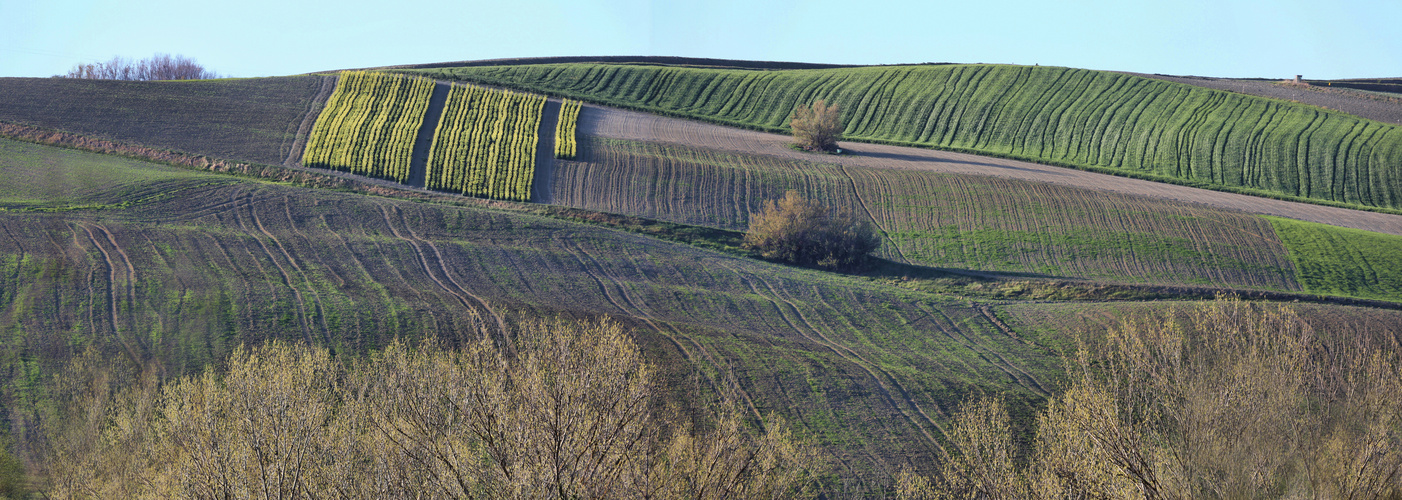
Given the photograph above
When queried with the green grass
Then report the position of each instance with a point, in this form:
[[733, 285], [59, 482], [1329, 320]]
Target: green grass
[[35, 174], [369, 125], [1071, 117], [1342, 261], [252, 119]]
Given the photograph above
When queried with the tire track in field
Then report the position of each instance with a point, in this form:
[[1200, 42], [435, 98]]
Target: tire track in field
[[619, 124], [850, 356], [466, 298], [112, 294], [1002, 364], [635, 309], [286, 276], [316, 296], [314, 108]]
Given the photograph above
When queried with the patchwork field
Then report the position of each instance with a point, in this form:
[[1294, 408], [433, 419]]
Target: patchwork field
[[177, 267], [1066, 116], [370, 124]]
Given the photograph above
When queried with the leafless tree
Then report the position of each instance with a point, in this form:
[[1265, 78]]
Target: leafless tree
[[158, 67]]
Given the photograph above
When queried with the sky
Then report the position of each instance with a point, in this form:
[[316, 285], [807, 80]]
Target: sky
[[247, 38]]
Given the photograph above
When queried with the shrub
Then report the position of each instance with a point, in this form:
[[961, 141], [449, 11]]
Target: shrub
[[806, 232], [817, 128]]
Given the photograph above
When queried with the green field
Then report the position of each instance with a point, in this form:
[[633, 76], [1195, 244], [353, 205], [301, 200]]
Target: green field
[[1064, 116], [369, 125], [942, 220], [251, 119], [1341, 261], [567, 130], [485, 143]]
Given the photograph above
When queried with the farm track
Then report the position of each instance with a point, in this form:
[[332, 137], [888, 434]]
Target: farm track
[[842, 351], [457, 290], [115, 316], [314, 107], [620, 124], [303, 316], [638, 309]]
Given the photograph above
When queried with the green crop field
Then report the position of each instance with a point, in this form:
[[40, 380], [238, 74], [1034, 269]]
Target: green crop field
[[1065, 116], [485, 144], [943, 220], [1342, 261], [369, 125], [566, 130], [250, 119]]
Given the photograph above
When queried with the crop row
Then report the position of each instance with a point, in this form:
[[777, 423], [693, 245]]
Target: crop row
[[370, 124], [566, 144], [1060, 115], [485, 144], [943, 220]]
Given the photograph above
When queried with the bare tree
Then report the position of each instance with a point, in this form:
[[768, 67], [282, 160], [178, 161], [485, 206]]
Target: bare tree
[[1231, 400], [158, 67], [565, 410]]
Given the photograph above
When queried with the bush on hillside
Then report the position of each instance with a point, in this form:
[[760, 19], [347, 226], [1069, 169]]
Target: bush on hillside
[[808, 233], [158, 67], [817, 127]]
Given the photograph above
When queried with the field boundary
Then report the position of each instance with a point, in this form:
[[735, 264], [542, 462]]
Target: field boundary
[[545, 153], [423, 142], [314, 108]]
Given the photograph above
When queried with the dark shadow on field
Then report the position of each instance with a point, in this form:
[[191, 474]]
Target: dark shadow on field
[[919, 159]]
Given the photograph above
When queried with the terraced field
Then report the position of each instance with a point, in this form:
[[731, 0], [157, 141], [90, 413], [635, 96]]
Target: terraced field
[[1081, 118], [943, 220], [252, 119], [871, 372]]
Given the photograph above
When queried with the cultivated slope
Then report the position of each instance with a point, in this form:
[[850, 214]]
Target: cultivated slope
[[941, 219], [254, 119], [1068, 116], [197, 264]]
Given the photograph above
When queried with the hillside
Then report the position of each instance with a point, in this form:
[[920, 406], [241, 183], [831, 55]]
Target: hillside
[[867, 370], [255, 119], [989, 270], [1079, 118]]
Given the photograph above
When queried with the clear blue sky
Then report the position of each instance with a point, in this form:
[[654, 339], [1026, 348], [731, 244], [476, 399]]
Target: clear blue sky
[[1229, 38]]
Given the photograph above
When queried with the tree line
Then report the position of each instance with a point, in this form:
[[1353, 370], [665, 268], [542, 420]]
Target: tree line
[[157, 67]]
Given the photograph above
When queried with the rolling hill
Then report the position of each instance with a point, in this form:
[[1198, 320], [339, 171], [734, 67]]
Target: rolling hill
[[178, 265], [1080, 118]]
